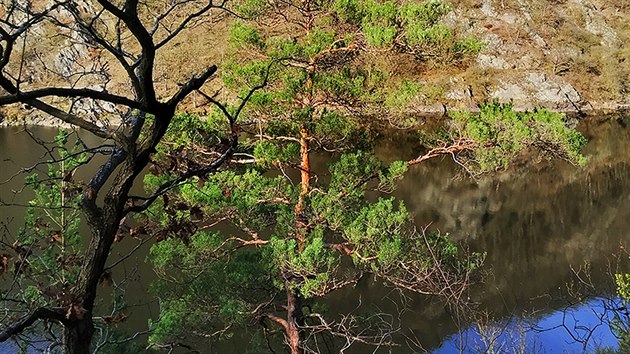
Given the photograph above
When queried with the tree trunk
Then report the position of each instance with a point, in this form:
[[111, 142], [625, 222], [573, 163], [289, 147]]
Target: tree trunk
[[77, 336], [104, 224], [295, 320], [305, 171], [305, 183]]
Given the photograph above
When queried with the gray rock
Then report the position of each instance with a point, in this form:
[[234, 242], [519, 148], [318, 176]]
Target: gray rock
[[487, 9], [551, 91], [509, 92], [491, 62], [596, 24], [493, 42], [510, 19], [536, 90], [66, 60], [456, 95]]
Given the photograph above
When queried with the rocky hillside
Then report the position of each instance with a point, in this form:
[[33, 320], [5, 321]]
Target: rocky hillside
[[566, 55]]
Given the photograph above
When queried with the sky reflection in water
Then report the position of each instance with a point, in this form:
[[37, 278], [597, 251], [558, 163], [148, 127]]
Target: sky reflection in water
[[581, 329]]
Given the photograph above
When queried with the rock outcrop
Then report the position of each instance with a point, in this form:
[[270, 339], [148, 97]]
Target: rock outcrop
[[565, 55]]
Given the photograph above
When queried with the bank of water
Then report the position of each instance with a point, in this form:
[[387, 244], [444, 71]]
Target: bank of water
[[540, 224]]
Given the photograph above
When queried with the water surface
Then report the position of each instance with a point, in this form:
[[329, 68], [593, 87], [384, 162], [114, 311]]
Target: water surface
[[540, 223]]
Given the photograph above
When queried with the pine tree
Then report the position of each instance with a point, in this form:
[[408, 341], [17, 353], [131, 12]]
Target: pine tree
[[297, 240], [308, 72]]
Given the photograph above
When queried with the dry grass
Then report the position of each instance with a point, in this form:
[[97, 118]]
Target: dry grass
[[582, 58], [597, 71]]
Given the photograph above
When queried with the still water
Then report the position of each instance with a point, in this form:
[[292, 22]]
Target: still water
[[543, 225]]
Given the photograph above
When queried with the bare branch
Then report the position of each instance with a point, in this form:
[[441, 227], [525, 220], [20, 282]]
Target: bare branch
[[41, 313], [69, 92], [210, 5], [193, 84]]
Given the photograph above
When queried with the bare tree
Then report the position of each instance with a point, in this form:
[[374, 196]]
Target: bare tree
[[100, 36]]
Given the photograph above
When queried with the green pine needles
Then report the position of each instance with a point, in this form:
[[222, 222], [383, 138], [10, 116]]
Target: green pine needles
[[261, 241], [500, 135], [278, 244], [323, 49]]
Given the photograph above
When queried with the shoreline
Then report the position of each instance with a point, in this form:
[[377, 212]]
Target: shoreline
[[436, 111]]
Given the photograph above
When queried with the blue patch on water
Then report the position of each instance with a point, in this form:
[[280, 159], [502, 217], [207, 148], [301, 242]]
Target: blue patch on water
[[579, 329]]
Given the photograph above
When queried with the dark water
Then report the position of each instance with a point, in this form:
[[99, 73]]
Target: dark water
[[540, 224]]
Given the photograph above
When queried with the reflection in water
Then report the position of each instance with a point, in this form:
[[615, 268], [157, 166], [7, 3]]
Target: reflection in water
[[577, 329], [536, 225]]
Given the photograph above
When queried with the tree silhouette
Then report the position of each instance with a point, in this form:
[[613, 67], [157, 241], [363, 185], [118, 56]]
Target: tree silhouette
[[97, 38]]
